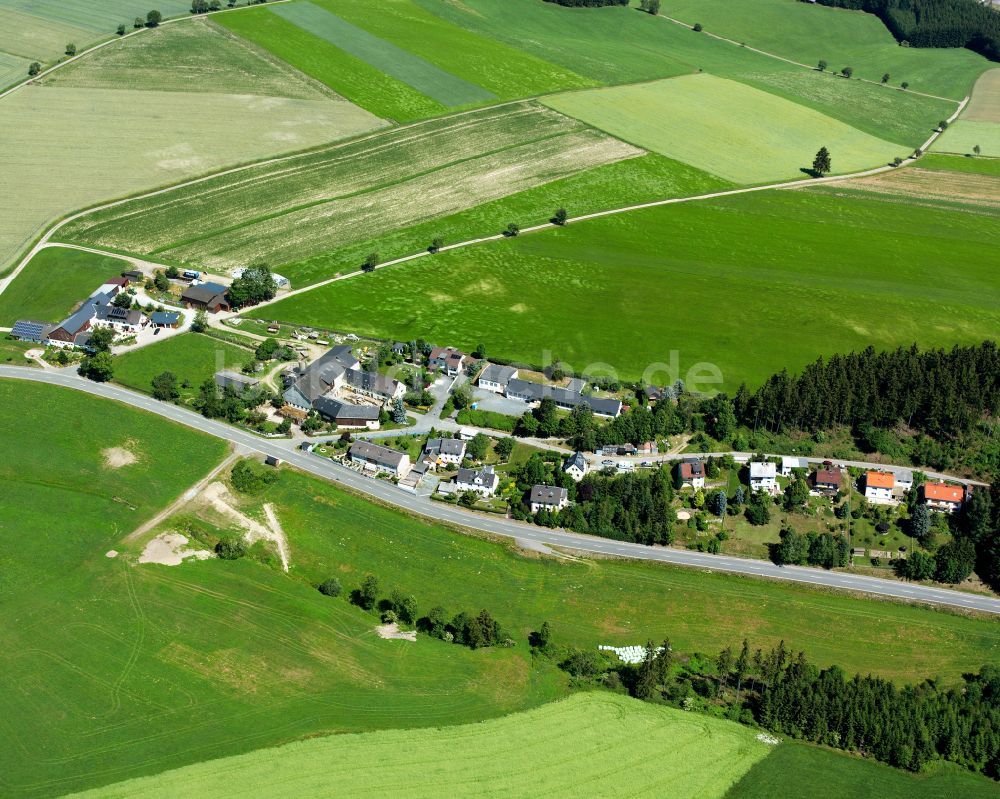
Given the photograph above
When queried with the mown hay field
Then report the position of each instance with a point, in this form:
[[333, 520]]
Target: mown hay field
[[807, 33], [591, 744], [965, 134], [310, 204], [752, 284], [984, 105], [55, 281], [724, 127]]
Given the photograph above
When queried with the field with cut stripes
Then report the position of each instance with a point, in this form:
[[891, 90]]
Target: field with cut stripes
[[307, 205]]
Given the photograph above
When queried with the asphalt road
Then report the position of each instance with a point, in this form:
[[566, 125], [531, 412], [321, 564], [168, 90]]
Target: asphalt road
[[423, 506]]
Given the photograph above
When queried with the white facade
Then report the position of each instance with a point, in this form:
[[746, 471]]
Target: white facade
[[763, 477]]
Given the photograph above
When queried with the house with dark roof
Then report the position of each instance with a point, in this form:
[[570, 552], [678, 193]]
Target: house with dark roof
[[133, 276], [576, 466], [376, 458], [691, 472], [123, 321], [344, 414], [66, 333], [445, 450], [495, 378], [827, 480], [28, 330], [447, 359], [165, 319], [482, 481], [529, 392], [373, 384], [550, 498], [241, 383], [209, 297]]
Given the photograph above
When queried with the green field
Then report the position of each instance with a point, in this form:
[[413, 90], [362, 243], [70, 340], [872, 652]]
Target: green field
[[984, 105], [798, 771], [344, 194], [54, 282], [964, 134], [589, 744], [198, 56], [12, 68], [954, 163], [808, 33], [12, 351], [753, 284], [725, 128], [192, 357]]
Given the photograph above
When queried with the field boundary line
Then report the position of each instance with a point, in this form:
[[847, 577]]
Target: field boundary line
[[777, 57]]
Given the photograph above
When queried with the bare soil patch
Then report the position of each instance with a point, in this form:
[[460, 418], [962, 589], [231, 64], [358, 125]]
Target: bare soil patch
[[926, 184], [170, 549], [393, 632], [118, 457]]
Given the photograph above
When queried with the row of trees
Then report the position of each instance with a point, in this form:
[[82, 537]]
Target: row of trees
[[935, 23], [588, 3]]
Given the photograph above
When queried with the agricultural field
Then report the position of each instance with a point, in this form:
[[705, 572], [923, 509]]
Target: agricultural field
[[192, 357], [966, 134], [953, 163], [808, 33], [67, 147], [403, 63], [53, 284], [310, 204], [792, 770], [709, 122], [39, 30], [614, 741], [752, 284]]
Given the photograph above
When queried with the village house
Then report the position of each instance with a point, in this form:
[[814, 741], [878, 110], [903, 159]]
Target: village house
[[372, 384], [344, 414], [692, 473], [576, 466], [209, 297], [533, 393], [495, 378], [943, 497], [904, 481], [481, 481], [447, 360], [879, 486], [550, 498], [94, 312], [445, 450], [763, 477], [123, 321], [376, 458], [165, 319], [827, 481]]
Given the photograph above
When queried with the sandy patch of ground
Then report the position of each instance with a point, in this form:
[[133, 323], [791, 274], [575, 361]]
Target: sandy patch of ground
[[111, 553], [170, 549], [221, 500], [392, 631], [683, 515], [118, 457]]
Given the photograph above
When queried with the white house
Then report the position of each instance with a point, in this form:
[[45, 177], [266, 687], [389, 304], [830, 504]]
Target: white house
[[904, 480], [550, 498], [943, 497], [692, 472], [879, 486], [376, 458], [576, 466], [495, 378], [789, 465], [444, 450], [482, 481], [763, 477]]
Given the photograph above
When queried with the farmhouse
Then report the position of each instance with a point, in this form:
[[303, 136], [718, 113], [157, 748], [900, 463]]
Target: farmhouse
[[344, 414], [372, 384], [27, 330], [789, 465], [827, 480], [879, 486], [529, 392], [691, 472], [943, 497], [210, 297], [495, 378], [447, 360], [239, 382], [550, 498], [482, 481], [576, 466], [165, 319], [377, 458], [124, 321], [763, 477], [67, 332], [445, 450]]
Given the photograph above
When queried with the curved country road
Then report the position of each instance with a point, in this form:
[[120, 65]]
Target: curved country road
[[530, 534]]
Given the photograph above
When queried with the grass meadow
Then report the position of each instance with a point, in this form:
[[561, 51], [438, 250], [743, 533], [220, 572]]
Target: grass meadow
[[964, 134], [12, 351], [192, 357], [590, 744], [709, 119], [955, 163], [54, 282], [753, 284], [799, 771], [349, 193], [984, 105], [808, 33]]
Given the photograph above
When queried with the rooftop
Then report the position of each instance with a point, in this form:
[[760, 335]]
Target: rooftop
[[880, 480]]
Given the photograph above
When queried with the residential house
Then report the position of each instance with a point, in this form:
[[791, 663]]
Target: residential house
[[879, 486], [240, 382], [373, 384], [943, 497], [827, 480], [326, 374], [210, 297], [618, 449], [529, 392], [377, 458], [445, 450], [447, 360], [165, 319], [482, 481], [68, 332], [123, 321], [28, 330], [576, 466], [789, 465], [647, 448], [904, 480], [113, 286], [692, 472], [344, 414], [550, 498], [764, 477], [495, 378]]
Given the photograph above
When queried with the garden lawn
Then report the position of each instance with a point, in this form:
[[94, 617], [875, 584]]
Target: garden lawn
[[800, 771], [55, 281], [808, 33], [342, 195], [588, 744], [964, 134], [12, 352], [724, 127], [192, 357], [752, 284]]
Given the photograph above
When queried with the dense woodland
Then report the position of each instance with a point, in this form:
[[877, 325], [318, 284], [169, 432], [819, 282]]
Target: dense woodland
[[935, 23]]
